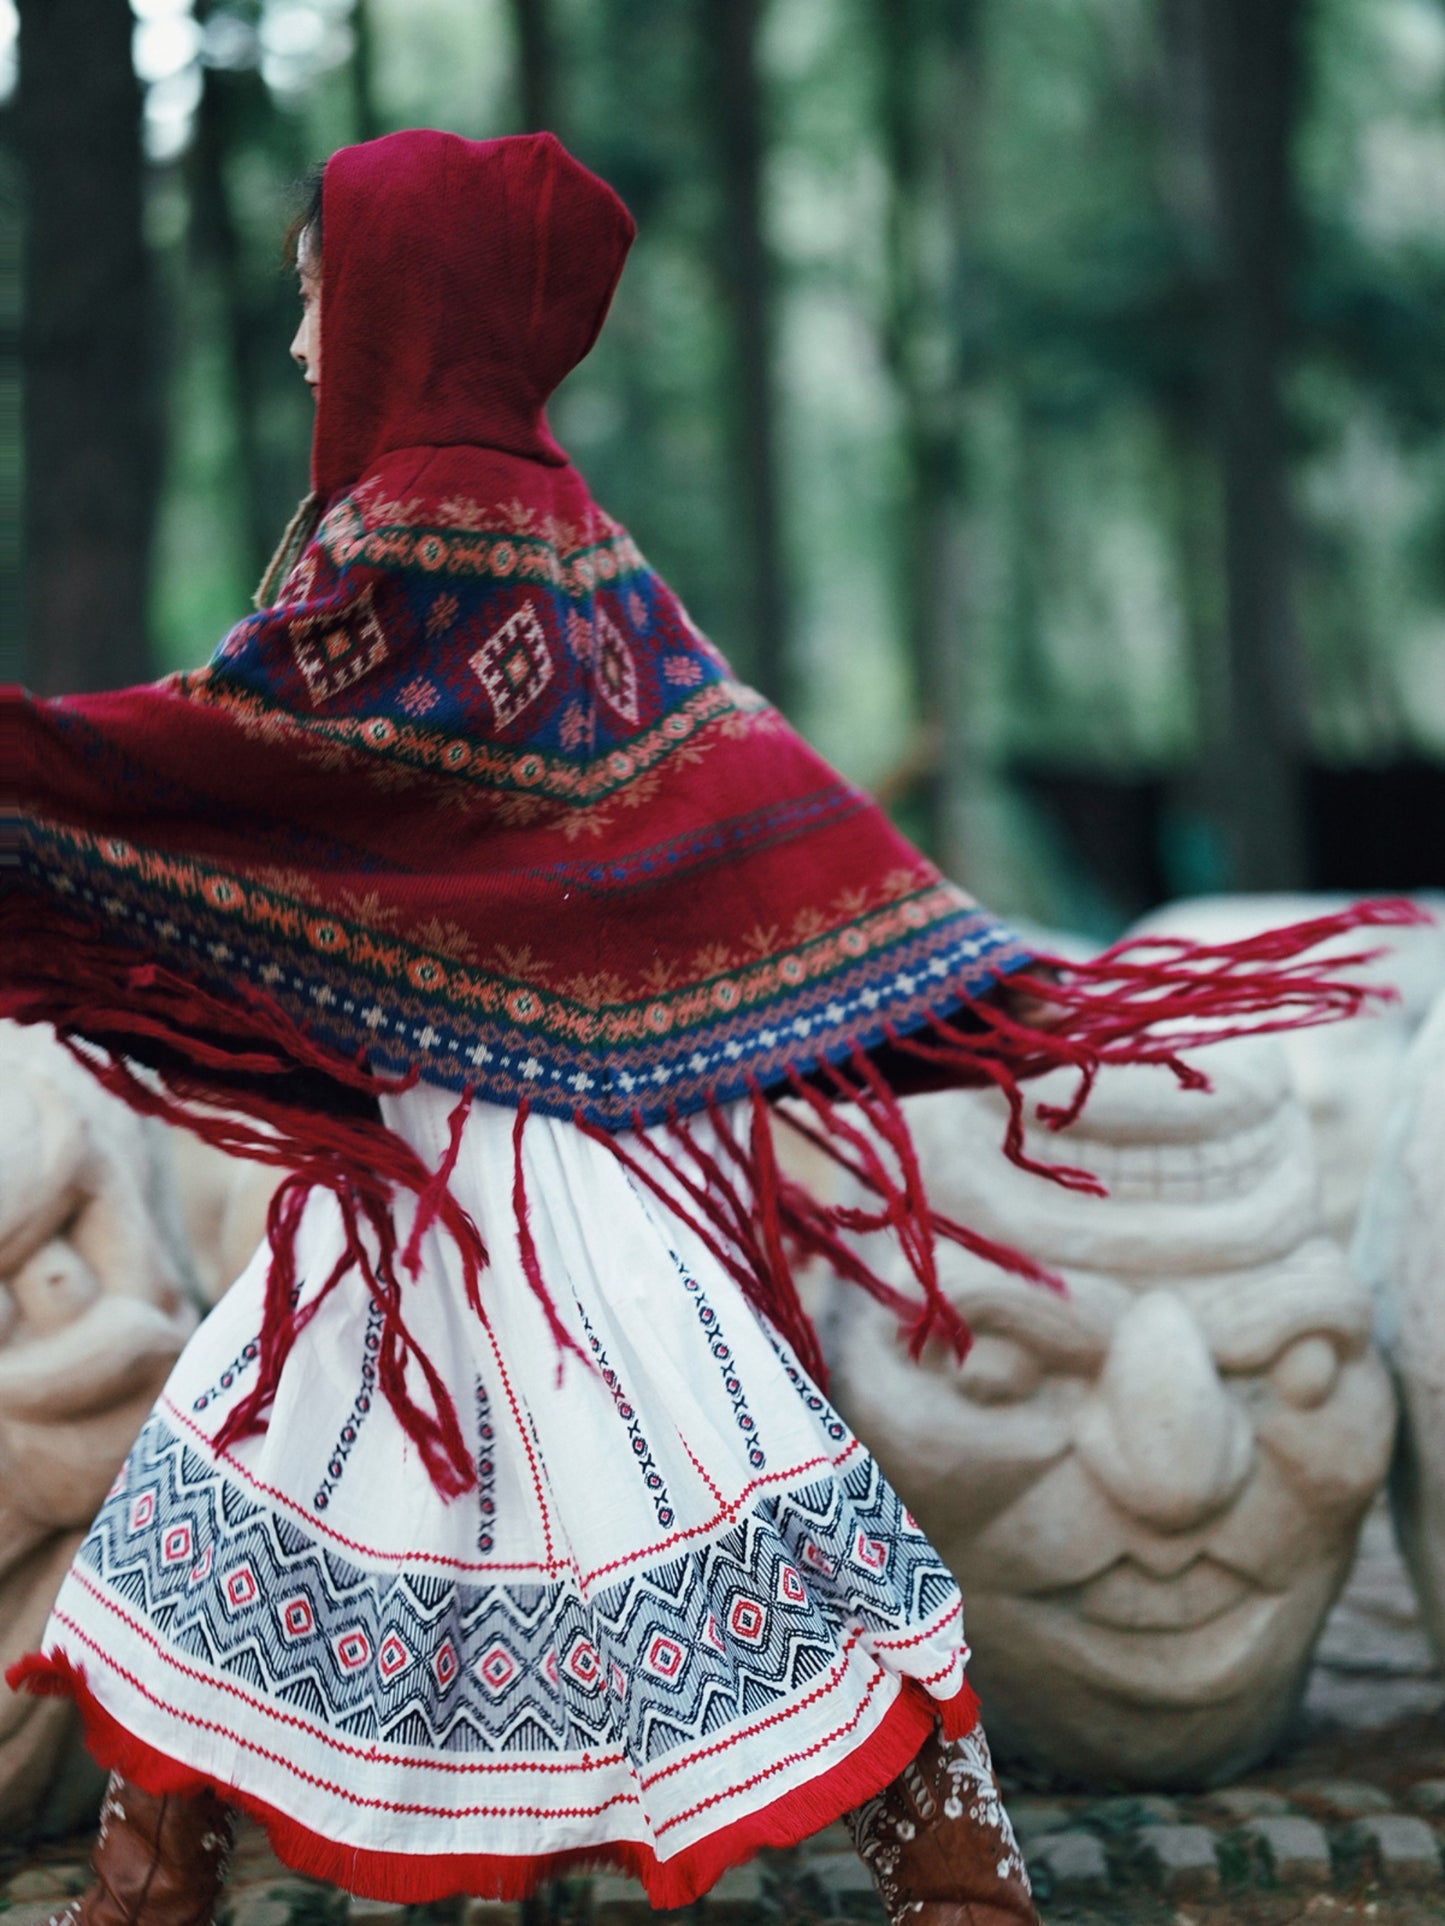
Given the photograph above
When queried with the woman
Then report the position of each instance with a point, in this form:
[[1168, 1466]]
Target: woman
[[495, 1521]]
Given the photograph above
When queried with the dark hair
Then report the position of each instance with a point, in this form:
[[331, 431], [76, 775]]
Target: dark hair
[[307, 220]]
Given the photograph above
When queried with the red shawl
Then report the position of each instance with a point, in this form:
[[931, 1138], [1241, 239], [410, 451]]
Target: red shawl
[[471, 799]]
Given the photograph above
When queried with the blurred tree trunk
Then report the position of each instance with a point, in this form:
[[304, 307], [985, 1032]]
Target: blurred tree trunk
[[930, 115], [537, 64], [730, 28], [11, 622], [215, 246], [365, 111], [91, 413], [1196, 859], [1252, 72]]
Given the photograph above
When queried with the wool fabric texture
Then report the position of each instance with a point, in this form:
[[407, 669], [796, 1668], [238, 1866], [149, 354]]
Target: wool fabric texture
[[470, 799], [473, 797], [497, 1521]]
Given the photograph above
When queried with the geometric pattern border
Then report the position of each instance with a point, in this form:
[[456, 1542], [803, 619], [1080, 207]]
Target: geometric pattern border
[[725, 1629]]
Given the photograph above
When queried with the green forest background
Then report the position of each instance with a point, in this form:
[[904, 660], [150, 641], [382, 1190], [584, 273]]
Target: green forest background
[[1044, 399]]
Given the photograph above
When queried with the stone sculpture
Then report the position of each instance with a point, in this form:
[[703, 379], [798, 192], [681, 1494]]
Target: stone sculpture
[[1347, 1073], [94, 1309], [1400, 1251], [1150, 1488], [223, 1202]]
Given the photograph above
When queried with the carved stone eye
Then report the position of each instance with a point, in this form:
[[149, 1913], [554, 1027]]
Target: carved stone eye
[[1304, 1373], [53, 1286], [999, 1370]]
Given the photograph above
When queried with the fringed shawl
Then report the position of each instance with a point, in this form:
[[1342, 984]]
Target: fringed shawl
[[471, 799]]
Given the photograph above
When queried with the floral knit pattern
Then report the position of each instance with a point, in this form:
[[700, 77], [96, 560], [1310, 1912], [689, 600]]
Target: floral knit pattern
[[475, 799]]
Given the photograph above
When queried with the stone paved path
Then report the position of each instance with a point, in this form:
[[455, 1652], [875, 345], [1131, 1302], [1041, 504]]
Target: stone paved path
[[1373, 1664], [1349, 1824]]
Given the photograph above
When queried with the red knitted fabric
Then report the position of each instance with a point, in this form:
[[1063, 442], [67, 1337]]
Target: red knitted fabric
[[472, 799]]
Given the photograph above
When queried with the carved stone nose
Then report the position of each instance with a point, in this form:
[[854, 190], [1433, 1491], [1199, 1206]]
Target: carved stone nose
[[1161, 1433]]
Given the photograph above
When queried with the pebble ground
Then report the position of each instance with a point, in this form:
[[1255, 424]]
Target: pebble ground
[[1348, 1824]]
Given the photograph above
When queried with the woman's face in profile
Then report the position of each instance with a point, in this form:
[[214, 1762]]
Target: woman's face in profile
[[306, 343]]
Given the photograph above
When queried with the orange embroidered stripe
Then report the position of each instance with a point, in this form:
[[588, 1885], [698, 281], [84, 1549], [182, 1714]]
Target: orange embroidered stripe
[[490, 765], [322, 933]]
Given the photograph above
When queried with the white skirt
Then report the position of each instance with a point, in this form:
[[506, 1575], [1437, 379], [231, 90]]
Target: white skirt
[[680, 1616]]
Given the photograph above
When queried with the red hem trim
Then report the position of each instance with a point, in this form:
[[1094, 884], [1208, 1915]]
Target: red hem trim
[[416, 1878]]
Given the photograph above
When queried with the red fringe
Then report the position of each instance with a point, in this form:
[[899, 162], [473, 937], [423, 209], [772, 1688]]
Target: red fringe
[[416, 1879], [364, 1206], [1150, 997], [725, 1224], [527, 1248], [430, 1202], [361, 1162], [1143, 1001], [101, 993], [862, 1223]]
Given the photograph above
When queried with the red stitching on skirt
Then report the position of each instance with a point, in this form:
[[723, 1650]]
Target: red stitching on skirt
[[292, 1719]]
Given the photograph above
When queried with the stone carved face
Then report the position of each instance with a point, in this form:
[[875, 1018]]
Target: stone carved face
[[1150, 1489], [223, 1203], [1400, 1249], [1347, 1074], [92, 1316]]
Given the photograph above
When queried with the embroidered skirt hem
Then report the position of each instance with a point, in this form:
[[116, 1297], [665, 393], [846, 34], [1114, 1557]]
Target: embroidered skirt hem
[[681, 1615], [410, 1878]]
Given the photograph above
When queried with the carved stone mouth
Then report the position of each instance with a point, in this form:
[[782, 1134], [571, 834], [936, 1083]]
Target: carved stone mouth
[[1195, 1170], [1127, 1598]]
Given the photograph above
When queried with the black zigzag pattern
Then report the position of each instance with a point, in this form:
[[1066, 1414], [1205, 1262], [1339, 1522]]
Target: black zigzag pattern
[[728, 1628]]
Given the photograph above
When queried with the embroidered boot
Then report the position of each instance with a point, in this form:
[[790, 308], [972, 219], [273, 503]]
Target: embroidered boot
[[157, 1862], [939, 1844]]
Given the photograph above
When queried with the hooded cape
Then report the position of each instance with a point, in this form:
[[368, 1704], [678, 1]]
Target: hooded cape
[[470, 798], [473, 797]]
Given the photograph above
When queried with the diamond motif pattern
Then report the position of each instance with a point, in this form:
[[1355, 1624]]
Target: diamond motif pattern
[[239, 1588], [353, 1648], [297, 1618], [392, 1658], [176, 1545], [728, 1628], [791, 1589], [335, 652], [614, 670], [664, 1657], [583, 1663], [514, 664], [497, 1669], [871, 1552], [748, 1621]]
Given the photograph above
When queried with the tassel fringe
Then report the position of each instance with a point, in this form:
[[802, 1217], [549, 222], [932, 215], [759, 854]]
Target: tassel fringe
[[227, 1069], [225, 1074], [527, 1248]]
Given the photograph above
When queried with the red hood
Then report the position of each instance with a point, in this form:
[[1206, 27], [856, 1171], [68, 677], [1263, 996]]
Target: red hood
[[461, 280]]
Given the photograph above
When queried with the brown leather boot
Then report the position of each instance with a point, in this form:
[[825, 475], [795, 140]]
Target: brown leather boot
[[158, 1862], [939, 1844]]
